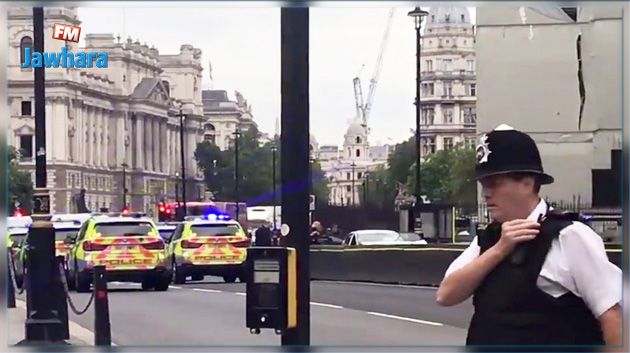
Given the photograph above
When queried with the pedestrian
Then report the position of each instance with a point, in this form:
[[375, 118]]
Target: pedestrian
[[263, 236], [536, 276]]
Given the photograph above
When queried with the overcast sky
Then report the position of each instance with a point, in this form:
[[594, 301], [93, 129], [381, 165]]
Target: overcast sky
[[243, 43]]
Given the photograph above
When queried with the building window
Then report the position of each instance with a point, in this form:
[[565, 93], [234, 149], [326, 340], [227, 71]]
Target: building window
[[473, 89], [428, 89], [25, 42], [432, 18], [429, 65], [471, 65], [447, 65], [26, 146], [448, 115], [462, 17], [447, 18], [209, 138], [359, 174], [358, 139], [428, 115], [470, 115], [470, 142], [348, 188], [448, 143], [447, 88], [358, 153], [26, 108], [348, 176], [429, 145]]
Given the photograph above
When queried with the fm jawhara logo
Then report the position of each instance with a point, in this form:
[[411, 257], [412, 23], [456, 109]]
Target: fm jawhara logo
[[65, 58]]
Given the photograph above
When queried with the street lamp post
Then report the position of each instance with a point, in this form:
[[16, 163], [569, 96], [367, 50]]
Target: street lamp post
[[183, 159], [236, 134], [124, 184], [353, 165], [367, 187], [177, 189], [418, 15], [273, 176]]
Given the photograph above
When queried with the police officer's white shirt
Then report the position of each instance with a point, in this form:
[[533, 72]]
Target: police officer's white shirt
[[576, 262]]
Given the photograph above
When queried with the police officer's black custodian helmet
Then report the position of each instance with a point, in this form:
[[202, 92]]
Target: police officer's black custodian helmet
[[506, 151]]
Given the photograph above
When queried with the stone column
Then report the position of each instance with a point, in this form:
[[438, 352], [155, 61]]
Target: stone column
[[163, 147], [156, 144], [139, 150], [148, 142], [90, 135]]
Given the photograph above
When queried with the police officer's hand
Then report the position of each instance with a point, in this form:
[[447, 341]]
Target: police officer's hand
[[515, 232]]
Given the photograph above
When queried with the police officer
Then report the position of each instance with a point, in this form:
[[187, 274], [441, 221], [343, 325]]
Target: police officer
[[537, 277]]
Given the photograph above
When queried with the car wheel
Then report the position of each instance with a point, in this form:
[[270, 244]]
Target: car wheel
[[82, 283], [148, 283], [178, 276], [229, 278], [162, 283]]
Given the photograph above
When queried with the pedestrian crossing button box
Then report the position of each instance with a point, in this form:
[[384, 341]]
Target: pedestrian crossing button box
[[271, 288]]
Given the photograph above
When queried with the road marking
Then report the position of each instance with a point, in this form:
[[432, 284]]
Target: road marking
[[207, 290], [376, 284], [175, 287], [241, 294], [76, 331], [327, 305], [406, 319]]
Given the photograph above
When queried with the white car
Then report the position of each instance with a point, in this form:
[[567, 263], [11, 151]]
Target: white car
[[379, 237]]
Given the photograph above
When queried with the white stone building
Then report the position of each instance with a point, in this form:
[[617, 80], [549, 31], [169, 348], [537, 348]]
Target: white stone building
[[448, 86], [348, 167], [99, 119], [556, 74], [224, 116]]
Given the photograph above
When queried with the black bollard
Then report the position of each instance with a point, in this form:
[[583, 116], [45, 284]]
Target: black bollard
[[42, 319], [102, 328], [60, 298], [11, 293]]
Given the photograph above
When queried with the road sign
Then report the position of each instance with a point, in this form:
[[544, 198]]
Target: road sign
[[311, 204]]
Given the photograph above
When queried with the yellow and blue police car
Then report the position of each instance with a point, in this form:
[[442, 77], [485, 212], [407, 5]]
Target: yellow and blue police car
[[209, 245]]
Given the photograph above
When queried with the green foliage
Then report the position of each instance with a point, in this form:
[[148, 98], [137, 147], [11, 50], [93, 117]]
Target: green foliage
[[19, 182], [255, 160]]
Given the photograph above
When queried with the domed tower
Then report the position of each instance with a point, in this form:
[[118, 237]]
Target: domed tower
[[356, 145], [448, 88]]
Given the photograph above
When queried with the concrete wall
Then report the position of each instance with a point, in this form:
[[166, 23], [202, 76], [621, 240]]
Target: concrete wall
[[527, 77]]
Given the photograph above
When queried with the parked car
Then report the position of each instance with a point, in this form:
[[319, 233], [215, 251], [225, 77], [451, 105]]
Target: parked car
[[379, 237]]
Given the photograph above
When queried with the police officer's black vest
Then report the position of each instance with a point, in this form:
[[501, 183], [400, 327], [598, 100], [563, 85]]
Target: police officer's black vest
[[510, 309]]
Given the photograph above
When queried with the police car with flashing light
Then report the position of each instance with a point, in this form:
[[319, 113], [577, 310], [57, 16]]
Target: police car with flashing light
[[129, 246], [213, 245]]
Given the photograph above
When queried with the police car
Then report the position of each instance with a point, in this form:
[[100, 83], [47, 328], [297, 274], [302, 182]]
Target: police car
[[129, 246], [210, 245], [15, 239]]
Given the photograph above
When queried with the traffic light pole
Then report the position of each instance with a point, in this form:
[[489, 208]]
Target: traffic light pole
[[294, 160]]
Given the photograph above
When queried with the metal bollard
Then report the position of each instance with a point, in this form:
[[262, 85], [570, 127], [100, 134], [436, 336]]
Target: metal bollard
[[11, 294], [102, 328], [60, 296], [42, 321]]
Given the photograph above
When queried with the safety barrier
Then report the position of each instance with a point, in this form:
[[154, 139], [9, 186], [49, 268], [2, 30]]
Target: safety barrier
[[418, 265], [48, 296]]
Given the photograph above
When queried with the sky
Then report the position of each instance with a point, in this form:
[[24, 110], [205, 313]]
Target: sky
[[242, 42]]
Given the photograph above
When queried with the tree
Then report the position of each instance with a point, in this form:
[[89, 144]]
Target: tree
[[381, 191], [401, 160], [448, 176], [320, 183], [20, 184]]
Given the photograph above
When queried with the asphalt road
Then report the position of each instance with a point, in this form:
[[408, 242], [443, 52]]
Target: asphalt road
[[211, 313]]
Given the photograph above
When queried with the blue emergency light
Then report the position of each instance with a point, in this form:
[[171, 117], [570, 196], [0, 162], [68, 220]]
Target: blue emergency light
[[217, 216]]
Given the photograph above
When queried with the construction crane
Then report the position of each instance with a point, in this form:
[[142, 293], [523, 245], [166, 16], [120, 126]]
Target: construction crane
[[363, 109]]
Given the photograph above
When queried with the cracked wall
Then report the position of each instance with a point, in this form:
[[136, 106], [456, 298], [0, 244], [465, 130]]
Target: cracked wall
[[558, 80]]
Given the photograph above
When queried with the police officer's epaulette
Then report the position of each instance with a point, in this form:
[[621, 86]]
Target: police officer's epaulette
[[565, 216]]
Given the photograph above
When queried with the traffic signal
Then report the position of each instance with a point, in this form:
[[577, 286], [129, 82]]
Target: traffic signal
[[164, 212], [125, 210], [19, 213]]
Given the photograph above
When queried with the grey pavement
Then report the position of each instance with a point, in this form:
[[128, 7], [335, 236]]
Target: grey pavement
[[195, 315], [408, 301], [16, 318]]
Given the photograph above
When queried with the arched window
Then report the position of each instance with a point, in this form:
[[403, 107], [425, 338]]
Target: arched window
[[209, 127], [358, 139], [358, 153], [25, 42]]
